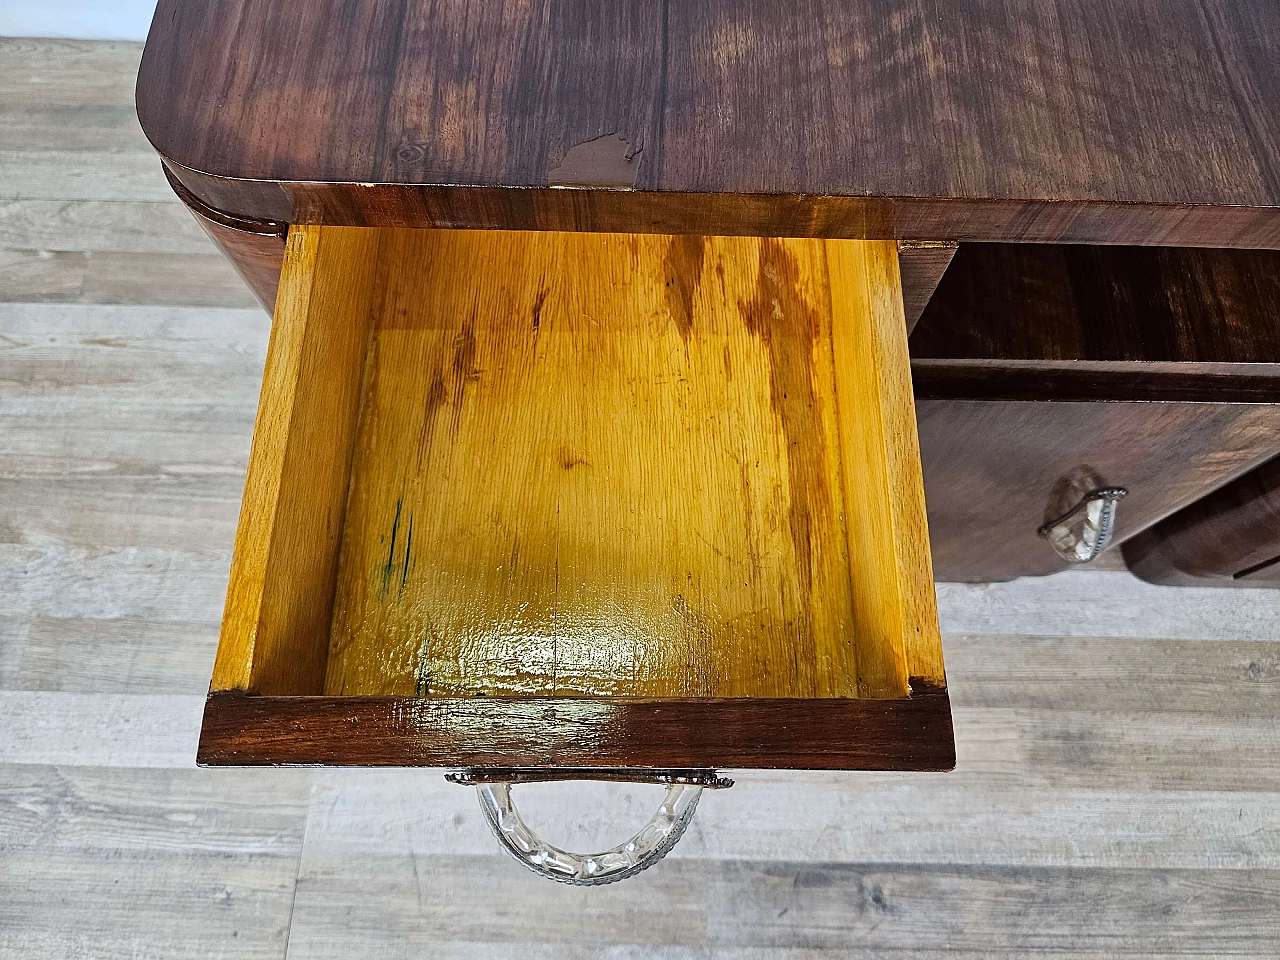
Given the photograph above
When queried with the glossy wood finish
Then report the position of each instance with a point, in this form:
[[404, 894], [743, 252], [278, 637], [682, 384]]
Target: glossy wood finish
[[910, 733], [1026, 302], [1132, 769], [254, 247], [256, 250], [1018, 345], [1228, 539], [996, 471], [513, 465], [1098, 121], [275, 626], [602, 465]]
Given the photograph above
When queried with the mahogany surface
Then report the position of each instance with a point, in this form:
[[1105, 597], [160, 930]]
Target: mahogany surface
[[1018, 345], [254, 247], [912, 733], [1045, 302], [1101, 121], [995, 471], [1229, 539]]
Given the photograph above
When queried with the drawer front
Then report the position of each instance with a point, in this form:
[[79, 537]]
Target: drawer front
[[996, 471], [1231, 538]]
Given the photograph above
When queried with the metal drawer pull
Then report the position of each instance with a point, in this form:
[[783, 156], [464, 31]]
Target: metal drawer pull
[[1082, 541], [651, 844]]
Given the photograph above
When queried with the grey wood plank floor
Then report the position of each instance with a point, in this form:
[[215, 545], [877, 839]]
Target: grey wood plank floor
[[1118, 790]]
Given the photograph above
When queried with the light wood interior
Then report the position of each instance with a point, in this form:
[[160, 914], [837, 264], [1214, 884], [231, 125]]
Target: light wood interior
[[583, 464]]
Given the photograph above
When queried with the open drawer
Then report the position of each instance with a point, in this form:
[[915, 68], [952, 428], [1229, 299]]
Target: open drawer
[[582, 500]]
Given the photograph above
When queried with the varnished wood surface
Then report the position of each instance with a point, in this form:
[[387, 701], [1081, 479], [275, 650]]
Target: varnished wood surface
[[1231, 538], [1118, 769], [254, 248], [996, 471], [276, 623], [1038, 303], [912, 733], [1101, 121], [598, 465], [895, 617], [1018, 344], [921, 265], [584, 464]]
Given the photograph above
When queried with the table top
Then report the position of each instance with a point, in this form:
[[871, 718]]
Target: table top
[[1133, 121]]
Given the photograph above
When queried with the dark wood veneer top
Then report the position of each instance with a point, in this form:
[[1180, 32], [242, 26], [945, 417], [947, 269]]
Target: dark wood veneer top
[[1143, 121]]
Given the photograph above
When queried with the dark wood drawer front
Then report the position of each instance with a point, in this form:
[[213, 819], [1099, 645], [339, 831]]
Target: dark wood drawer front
[[995, 471], [1229, 539]]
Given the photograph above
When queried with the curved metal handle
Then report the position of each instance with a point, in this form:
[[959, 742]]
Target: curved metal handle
[[1081, 542], [651, 844]]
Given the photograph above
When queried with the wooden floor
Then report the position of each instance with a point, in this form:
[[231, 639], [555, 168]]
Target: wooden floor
[[1118, 789]]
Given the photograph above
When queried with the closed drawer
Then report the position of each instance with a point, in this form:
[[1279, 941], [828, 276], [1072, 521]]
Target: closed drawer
[[1230, 538], [576, 500], [997, 471]]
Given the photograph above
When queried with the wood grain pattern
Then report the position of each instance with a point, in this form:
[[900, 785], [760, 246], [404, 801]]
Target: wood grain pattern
[[1134, 798], [995, 471], [1141, 121], [907, 733], [1041, 303], [1228, 539], [798, 909], [281, 587], [254, 247], [1019, 343], [124, 862], [599, 465], [921, 265], [612, 466], [884, 495]]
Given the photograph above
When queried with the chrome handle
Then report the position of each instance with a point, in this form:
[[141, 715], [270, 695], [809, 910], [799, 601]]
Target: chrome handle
[[653, 841], [1081, 540]]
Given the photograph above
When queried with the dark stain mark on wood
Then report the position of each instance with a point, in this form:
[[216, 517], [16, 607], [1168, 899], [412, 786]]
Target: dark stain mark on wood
[[391, 553], [464, 356], [437, 396], [788, 326], [683, 267], [464, 367], [538, 303], [408, 549], [606, 161], [568, 459]]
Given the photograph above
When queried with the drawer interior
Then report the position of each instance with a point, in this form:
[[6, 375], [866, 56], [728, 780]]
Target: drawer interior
[[510, 466]]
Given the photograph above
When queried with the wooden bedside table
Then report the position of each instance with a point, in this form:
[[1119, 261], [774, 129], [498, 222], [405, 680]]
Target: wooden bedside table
[[617, 466]]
